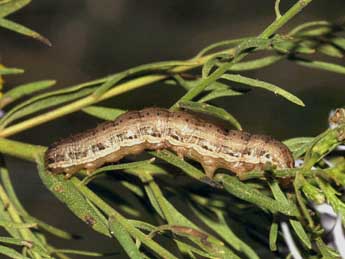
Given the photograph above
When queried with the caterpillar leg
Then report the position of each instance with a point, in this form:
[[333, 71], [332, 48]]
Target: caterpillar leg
[[91, 167], [209, 168], [69, 172], [67, 176], [180, 151]]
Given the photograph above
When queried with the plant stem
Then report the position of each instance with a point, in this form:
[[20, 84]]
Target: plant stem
[[122, 220], [281, 173], [149, 79], [77, 105], [22, 150], [277, 10], [26, 234], [277, 24], [307, 25], [270, 30], [31, 152]]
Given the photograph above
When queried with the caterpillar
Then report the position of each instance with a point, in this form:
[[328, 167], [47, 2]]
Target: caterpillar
[[184, 133]]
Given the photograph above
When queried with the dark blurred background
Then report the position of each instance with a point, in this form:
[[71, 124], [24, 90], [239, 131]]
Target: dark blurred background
[[92, 39]]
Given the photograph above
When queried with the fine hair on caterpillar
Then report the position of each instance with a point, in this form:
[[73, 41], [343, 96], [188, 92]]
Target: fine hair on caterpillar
[[184, 133]]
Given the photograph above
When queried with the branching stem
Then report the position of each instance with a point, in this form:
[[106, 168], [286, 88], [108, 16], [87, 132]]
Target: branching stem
[[149, 79]]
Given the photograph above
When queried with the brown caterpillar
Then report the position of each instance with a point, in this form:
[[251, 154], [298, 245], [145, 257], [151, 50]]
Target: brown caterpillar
[[156, 128]]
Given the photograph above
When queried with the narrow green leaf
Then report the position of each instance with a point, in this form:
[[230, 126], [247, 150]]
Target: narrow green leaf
[[279, 195], [277, 9], [4, 215], [23, 30], [34, 153], [10, 224], [295, 143], [331, 195], [261, 84], [183, 165], [188, 84], [23, 90], [317, 32], [24, 110], [50, 99], [5, 178], [221, 227], [313, 193], [240, 52], [217, 89], [307, 25], [323, 145], [142, 225], [273, 236], [151, 168], [134, 232], [172, 215], [339, 42], [320, 65], [135, 189], [256, 63], [67, 193], [245, 192], [162, 206], [326, 251], [217, 94], [49, 228], [301, 233], [77, 252], [103, 169], [337, 171], [14, 241], [192, 251], [217, 86], [296, 225], [255, 42], [301, 202], [178, 80], [211, 63], [10, 71], [153, 200], [221, 44], [11, 253], [177, 221], [207, 67], [212, 111], [12, 6], [114, 79], [330, 50], [291, 46], [103, 113]]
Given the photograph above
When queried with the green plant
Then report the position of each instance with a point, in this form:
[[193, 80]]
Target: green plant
[[259, 199]]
